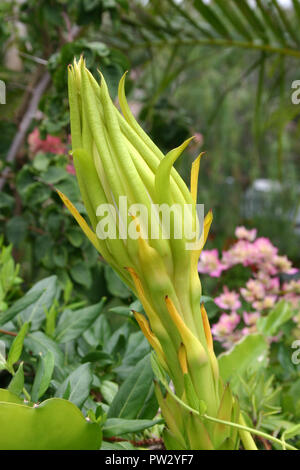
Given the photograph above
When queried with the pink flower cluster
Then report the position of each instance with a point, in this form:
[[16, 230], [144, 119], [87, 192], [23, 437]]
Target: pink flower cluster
[[223, 331], [228, 300], [226, 324], [209, 263], [51, 144], [261, 291]]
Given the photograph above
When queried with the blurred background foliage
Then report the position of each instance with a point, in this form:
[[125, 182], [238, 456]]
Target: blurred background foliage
[[221, 70]]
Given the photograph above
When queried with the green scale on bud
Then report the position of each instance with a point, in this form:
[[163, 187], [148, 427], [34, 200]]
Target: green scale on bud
[[115, 159]]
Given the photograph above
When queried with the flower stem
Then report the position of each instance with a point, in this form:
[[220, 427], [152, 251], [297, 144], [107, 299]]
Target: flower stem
[[245, 431], [244, 428]]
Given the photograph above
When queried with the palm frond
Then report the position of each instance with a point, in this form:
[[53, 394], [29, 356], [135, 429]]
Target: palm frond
[[267, 27]]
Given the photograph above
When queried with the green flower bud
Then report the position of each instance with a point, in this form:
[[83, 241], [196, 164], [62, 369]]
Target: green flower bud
[[128, 186]]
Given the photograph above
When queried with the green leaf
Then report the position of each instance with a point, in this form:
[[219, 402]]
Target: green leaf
[[210, 306], [79, 381], [122, 310], [29, 299], [117, 446], [6, 201], [271, 20], [17, 346], [69, 187], [137, 347], [100, 48], [99, 333], [116, 343], [16, 229], [102, 358], [292, 432], [48, 290], [270, 324], [288, 25], [211, 17], [296, 5], [117, 426], [39, 343], [43, 376], [75, 237], [10, 397], [42, 245], [37, 193], [251, 18], [233, 17], [2, 356], [72, 324], [41, 162], [114, 284], [51, 319], [135, 393], [108, 390], [81, 274], [249, 353], [55, 424], [17, 382], [60, 256], [54, 175]]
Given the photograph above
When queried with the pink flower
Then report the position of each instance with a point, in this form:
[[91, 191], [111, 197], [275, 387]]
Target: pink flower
[[293, 298], [267, 303], [246, 331], [240, 253], [250, 319], [266, 250], [243, 233], [292, 287], [51, 144], [267, 267], [209, 263], [229, 300], [70, 169], [254, 290], [198, 138], [226, 324], [284, 265], [271, 284]]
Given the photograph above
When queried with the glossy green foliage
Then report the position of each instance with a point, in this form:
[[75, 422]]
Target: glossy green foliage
[[68, 362], [55, 424]]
